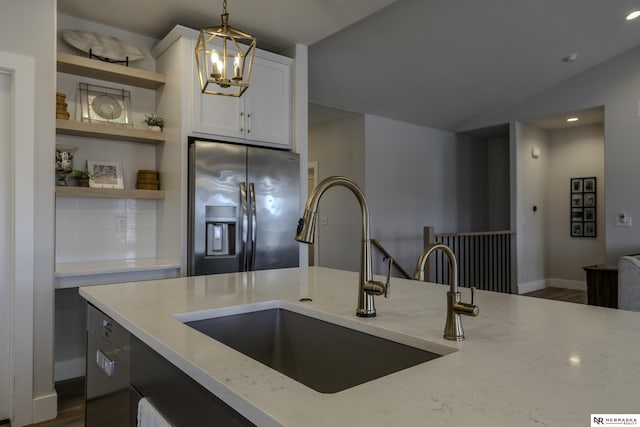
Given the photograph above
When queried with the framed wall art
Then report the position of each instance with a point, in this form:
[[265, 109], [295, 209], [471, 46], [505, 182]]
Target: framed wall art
[[105, 174], [583, 207], [99, 104]]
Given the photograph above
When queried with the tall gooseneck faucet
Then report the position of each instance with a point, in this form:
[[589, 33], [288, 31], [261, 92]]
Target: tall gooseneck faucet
[[305, 234], [453, 326]]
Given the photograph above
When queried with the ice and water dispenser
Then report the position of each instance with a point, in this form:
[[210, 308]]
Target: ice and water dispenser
[[220, 224]]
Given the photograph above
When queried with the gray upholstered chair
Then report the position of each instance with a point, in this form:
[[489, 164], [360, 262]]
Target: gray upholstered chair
[[629, 283]]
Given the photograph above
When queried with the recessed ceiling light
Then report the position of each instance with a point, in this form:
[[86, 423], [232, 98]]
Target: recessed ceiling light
[[572, 119], [570, 58], [633, 15]]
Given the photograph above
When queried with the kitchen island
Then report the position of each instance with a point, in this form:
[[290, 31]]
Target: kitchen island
[[525, 361]]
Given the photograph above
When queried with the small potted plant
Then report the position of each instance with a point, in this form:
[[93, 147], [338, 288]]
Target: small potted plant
[[81, 176], [154, 122]]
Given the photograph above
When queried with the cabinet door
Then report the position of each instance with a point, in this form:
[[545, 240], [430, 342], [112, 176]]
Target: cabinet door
[[179, 398], [216, 114], [268, 103]]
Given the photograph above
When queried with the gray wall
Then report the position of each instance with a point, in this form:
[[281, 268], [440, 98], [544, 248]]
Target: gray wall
[[547, 254], [338, 147], [412, 182], [412, 176], [498, 184], [573, 153], [615, 85], [531, 184]]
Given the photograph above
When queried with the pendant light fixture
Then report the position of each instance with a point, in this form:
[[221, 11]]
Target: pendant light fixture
[[224, 56]]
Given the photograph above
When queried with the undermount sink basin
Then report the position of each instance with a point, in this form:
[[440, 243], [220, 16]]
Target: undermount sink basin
[[323, 355]]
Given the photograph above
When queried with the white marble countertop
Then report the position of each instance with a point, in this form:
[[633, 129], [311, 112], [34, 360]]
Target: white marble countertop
[[525, 362], [118, 266], [74, 274]]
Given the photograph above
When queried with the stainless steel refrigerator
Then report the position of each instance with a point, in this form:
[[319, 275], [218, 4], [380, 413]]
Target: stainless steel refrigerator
[[243, 208]]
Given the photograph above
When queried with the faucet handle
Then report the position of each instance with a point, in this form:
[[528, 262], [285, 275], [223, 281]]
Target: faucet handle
[[469, 309], [373, 287], [387, 285]]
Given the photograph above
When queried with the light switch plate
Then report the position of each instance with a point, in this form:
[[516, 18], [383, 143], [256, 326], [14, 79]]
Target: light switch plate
[[623, 220]]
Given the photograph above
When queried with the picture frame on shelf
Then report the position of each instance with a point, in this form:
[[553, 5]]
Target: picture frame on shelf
[[100, 104], [105, 174]]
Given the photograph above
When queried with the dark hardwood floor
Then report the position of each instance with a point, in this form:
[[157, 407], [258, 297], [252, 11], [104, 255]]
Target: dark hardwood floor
[[568, 295]]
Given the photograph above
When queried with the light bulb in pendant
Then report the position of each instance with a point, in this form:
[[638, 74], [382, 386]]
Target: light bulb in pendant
[[217, 64], [236, 67]]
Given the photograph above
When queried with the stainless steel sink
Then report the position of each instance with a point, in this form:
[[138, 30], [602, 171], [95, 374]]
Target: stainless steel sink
[[322, 355]]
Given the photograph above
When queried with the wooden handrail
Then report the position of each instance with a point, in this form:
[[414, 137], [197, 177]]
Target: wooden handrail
[[393, 260]]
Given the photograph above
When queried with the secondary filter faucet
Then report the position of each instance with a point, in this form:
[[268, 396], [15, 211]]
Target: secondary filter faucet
[[305, 234], [453, 327]]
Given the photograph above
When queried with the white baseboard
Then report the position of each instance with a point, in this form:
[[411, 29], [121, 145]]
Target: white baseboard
[[45, 407], [536, 285], [67, 369], [568, 284]]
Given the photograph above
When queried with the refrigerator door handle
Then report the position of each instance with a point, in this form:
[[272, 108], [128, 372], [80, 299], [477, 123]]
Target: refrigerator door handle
[[252, 198], [245, 226]]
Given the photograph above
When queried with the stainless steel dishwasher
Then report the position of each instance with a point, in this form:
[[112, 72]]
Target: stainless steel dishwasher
[[110, 399]]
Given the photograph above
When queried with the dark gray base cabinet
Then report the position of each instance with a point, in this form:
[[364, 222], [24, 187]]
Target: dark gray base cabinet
[[181, 400]]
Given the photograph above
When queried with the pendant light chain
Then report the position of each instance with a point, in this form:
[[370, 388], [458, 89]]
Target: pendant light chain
[[225, 15]]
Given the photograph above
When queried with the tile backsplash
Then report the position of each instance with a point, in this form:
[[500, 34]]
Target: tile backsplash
[[89, 229]]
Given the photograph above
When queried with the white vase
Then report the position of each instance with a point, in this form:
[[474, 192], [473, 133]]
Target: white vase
[[154, 128]]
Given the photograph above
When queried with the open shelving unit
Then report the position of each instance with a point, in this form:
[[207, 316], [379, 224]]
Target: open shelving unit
[[108, 193], [86, 67], [105, 131]]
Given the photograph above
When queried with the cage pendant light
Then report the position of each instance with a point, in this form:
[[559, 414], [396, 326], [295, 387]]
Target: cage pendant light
[[224, 57]]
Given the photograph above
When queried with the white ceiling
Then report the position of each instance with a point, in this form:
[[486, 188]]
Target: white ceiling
[[436, 63], [444, 63], [277, 24], [589, 116]]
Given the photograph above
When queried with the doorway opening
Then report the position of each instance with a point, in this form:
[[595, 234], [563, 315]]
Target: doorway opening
[[553, 153]]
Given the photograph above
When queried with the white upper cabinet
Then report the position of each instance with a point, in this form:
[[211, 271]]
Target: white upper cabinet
[[262, 115]]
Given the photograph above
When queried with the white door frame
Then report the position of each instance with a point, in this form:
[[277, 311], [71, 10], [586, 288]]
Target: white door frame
[[21, 221], [6, 112]]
